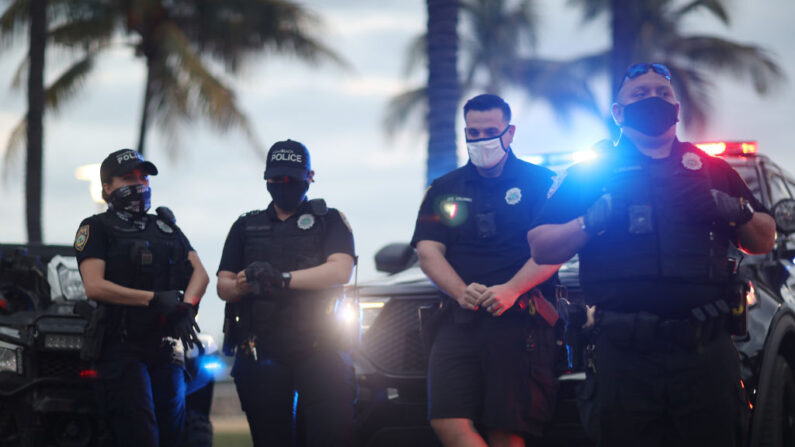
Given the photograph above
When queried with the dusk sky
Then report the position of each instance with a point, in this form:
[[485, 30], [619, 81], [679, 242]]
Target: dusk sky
[[378, 183]]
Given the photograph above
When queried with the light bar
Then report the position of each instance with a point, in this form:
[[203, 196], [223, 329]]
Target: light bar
[[729, 148]]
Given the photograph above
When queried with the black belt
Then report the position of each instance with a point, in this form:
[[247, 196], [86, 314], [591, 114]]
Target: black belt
[[644, 331]]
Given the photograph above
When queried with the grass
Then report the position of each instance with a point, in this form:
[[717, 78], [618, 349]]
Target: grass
[[232, 439]]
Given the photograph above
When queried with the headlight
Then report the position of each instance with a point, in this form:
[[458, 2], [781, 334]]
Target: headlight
[[64, 278], [63, 342], [369, 309], [10, 358]]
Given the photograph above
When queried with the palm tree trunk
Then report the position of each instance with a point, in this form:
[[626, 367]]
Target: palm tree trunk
[[624, 32], [35, 130], [145, 109], [443, 88]]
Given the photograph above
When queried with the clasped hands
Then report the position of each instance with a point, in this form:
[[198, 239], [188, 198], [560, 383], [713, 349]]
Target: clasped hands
[[259, 278], [495, 299]]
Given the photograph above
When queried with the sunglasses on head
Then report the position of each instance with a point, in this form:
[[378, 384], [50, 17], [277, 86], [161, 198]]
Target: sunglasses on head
[[638, 69]]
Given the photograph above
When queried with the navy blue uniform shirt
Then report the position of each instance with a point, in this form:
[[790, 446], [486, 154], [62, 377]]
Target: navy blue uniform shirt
[[483, 222], [583, 185]]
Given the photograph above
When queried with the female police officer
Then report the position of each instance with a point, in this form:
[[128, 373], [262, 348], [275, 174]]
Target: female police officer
[[280, 273], [135, 266]]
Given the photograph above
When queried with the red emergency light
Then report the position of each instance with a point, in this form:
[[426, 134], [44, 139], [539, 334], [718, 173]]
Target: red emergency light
[[729, 148]]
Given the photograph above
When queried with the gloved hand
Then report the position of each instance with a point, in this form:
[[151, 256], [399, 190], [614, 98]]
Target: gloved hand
[[263, 278], [733, 210], [598, 216], [183, 326], [165, 302]]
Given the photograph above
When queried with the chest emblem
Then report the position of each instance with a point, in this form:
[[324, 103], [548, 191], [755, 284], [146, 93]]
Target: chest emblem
[[306, 221], [81, 238], [164, 226], [691, 161], [513, 196]]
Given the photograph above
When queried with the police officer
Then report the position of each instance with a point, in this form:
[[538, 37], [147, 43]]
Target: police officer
[[652, 220], [490, 362], [281, 274], [135, 266]]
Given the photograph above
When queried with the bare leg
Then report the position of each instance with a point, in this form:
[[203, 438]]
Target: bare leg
[[457, 432], [502, 438]]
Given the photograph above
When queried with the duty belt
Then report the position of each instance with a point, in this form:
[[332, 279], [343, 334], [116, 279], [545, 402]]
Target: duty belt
[[644, 331]]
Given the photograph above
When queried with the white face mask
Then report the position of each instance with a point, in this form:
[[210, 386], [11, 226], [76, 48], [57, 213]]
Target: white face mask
[[485, 153]]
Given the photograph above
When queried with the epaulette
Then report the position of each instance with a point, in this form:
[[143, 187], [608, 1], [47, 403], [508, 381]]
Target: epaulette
[[318, 207], [252, 213]]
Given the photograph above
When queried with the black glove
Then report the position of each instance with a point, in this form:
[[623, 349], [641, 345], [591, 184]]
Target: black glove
[[264, 278], [735, 211], [184, 327], [598, 216], [165, 302]]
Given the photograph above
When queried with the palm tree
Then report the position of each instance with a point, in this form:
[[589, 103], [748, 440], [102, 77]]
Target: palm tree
[[497, 41], [644, 31], [443, 93], [177, 38]]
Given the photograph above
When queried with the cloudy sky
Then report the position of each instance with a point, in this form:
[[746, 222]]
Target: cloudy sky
[[376, 182]]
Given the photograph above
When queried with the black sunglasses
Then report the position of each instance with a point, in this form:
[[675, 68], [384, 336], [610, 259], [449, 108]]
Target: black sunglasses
[[638, 69]]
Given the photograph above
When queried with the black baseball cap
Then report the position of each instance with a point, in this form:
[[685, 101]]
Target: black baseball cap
[[289, 158], [123, 161]]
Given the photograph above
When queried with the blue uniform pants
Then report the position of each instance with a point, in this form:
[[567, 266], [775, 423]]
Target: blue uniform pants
[[143, 401], [324, 380]]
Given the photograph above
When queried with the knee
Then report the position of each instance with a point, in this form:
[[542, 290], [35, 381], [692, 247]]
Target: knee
[[453, 431]]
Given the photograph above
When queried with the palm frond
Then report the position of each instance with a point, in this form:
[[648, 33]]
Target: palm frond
[[20, 74], [232, 29], [13, 21], [17, 140], [714, 6], [416, 54], [563, 85], [693, 92], [402, 107], [184, 84], [724, 56], [68, 83]]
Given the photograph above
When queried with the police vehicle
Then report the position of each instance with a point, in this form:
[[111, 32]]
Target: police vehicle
[[46, 396], [391, 361]]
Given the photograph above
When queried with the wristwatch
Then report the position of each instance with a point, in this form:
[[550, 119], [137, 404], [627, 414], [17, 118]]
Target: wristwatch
[[286, 277], [581, 221], [747, 211]]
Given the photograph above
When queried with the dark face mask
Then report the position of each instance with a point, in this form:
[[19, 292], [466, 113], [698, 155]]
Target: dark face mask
[[651, 116], [134, 199], [288, 195]]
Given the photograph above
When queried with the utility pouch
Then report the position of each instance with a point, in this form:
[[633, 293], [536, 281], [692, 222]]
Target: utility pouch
[[486, 225], [232, 329], [640, 219], [94, 334], [737, 299]]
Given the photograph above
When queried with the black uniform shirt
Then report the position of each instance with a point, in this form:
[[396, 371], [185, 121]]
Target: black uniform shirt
[[582, 186], [483, 222], [338, 237]]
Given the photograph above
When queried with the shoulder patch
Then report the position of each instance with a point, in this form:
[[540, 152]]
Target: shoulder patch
[[81, 238], [345, 221]]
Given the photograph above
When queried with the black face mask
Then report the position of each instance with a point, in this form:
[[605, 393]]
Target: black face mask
[[651, 116], [288, 195], [134, 199]]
